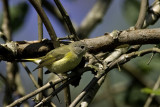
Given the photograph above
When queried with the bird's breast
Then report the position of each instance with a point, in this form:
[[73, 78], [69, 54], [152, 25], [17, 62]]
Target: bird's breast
[[69, 62]]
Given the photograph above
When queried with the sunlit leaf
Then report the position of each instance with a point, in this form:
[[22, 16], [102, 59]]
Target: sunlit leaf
[[150, 91], [144, 67]]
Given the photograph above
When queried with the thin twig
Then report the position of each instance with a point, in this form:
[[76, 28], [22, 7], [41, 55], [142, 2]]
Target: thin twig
[[142, 14], [46, 22], [121, 60], [32, 78], [67, 20], [30, 75], [72, 78], [149, 100], [55, 12], [40, 37], [45, 87], [40, 24], [140, 21], [150, 58], [91, 93], [93, 18], [127, 57], [55, 92]]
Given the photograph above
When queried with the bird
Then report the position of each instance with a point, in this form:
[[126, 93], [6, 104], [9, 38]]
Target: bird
[[61, 59]]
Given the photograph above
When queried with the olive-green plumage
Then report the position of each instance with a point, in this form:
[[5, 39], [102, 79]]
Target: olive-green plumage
[[62, 59]]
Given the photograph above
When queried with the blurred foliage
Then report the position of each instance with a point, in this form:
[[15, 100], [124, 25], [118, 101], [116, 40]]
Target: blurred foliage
[[134, 96], [131, 9], [151, 91], [17, 15], [144, 67]]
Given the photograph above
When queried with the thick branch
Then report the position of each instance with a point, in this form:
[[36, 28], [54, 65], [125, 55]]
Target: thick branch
[[24, 49], [106, 42]]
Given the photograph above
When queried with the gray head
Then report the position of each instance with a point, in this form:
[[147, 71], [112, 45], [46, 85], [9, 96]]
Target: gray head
[[79, 47]]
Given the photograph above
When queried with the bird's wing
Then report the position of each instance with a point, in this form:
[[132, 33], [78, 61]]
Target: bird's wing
[[52, 56]]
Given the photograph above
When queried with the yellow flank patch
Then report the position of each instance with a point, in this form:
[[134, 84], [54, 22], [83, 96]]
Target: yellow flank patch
[[50, 56], [67, 63], [70, 55]]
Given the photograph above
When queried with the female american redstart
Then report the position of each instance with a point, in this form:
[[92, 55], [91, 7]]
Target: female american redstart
[[62, 59]]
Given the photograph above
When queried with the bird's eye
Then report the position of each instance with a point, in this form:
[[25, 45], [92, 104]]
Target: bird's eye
[[82, 47]]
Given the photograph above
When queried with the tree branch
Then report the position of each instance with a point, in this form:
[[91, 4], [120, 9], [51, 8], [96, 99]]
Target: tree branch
[[142, 14], [89, 96], [149, 99], [93, 18], [23, 49], [153, 14], [67, 20], [45, 87], [46, 22], [121, 60], [40, 37], [6, 20]]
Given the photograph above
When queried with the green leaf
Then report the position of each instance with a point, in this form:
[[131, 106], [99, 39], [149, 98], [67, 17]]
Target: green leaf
[[131, 10], [17, 14], [144, 67], [150, 91]]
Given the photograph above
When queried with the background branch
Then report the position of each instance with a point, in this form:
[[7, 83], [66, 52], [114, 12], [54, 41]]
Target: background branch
[[153, 14], [46, 22], [40, 37], [67, 20], [12, 84], [149, 99], [142, 14], [93, 18]]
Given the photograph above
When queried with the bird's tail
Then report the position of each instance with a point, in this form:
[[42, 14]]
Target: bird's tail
[[35, 60]]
